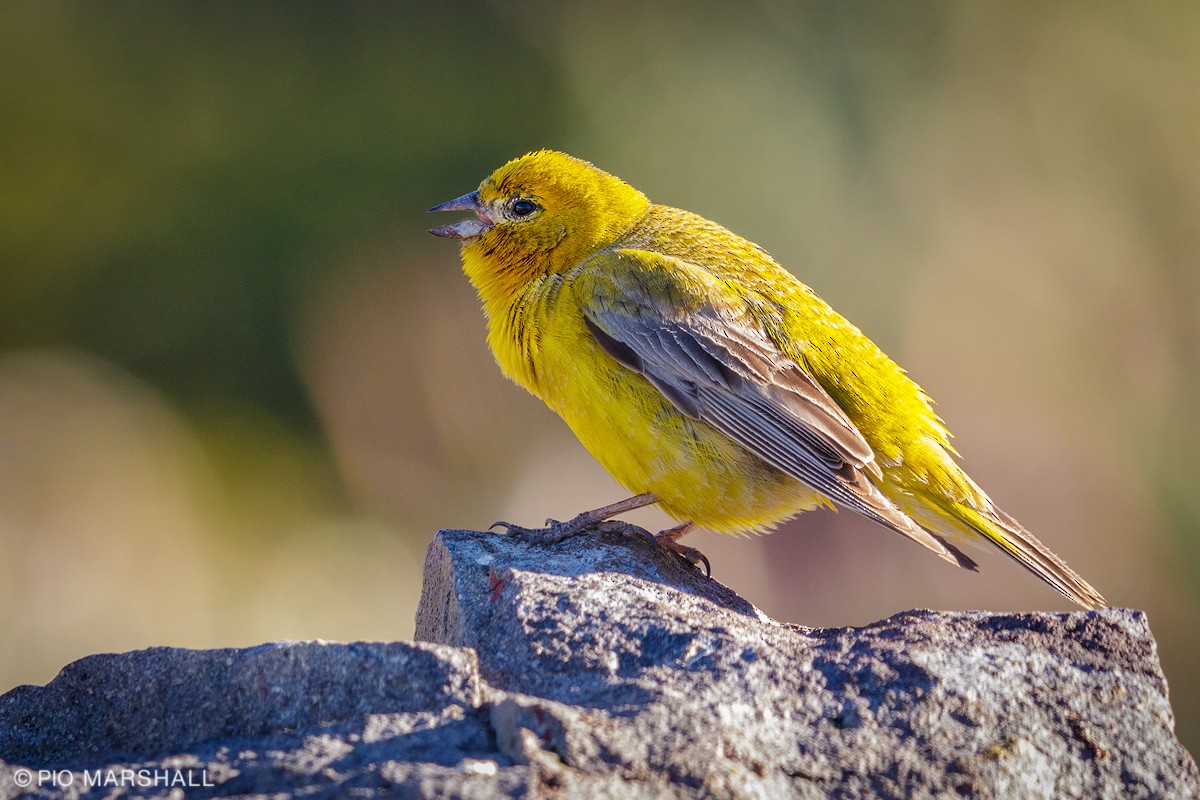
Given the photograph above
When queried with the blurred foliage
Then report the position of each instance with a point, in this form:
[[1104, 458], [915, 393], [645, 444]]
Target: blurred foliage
[[239, 387], [175, 175]]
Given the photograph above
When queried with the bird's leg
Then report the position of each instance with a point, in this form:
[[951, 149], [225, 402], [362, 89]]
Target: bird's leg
[[595, 520], [669, 540]]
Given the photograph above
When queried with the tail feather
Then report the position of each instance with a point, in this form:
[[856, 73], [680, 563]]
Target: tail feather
[[1023, 547], [884, 511]]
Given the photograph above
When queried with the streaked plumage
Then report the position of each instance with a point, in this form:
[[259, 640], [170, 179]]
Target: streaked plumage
[[696, 369]]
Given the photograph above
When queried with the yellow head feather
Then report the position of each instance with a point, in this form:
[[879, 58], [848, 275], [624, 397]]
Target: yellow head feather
[[577, 209]]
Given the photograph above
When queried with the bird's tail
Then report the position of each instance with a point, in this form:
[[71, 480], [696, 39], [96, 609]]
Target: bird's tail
[[1021, 546]]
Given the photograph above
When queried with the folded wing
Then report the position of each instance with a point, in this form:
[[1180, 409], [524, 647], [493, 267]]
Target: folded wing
[[670, 322]]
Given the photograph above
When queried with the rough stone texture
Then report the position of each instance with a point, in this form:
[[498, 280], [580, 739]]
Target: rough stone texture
[[154, 701], [603, 668], [653, 670]]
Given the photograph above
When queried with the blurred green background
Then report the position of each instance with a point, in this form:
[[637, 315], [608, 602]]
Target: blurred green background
[[240, 387]]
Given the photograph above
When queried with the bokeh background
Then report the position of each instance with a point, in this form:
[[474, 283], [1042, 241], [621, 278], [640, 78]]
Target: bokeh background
[[240, 387]]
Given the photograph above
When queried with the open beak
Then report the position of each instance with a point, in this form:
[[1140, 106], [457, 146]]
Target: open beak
[[467, 228]]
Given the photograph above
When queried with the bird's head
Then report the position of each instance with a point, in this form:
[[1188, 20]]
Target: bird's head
[[541, 213]]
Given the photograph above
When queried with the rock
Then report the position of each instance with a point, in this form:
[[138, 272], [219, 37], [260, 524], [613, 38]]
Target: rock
[[654, 671], [312, 718], [601, 667], [159, 701]]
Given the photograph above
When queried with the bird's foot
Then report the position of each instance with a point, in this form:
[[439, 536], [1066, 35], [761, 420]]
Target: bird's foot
[[690, 555], [597, 521], [556, 531], [669, 541]]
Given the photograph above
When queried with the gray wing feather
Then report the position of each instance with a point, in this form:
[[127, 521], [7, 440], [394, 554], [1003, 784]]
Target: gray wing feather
[[704, 378], [734, 378]]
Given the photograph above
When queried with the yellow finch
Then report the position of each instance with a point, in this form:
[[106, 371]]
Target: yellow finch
[[704, 376]]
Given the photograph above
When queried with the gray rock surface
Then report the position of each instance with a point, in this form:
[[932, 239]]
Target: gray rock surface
[[603, 668]]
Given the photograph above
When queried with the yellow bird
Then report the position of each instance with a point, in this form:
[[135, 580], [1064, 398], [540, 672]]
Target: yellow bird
[[704, 376]]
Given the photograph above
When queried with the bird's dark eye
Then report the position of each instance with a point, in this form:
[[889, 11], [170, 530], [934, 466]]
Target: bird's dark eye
[[522, 207]]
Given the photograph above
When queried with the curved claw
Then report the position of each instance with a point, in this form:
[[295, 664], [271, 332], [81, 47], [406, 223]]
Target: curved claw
[[692, 557], [513, 530]]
